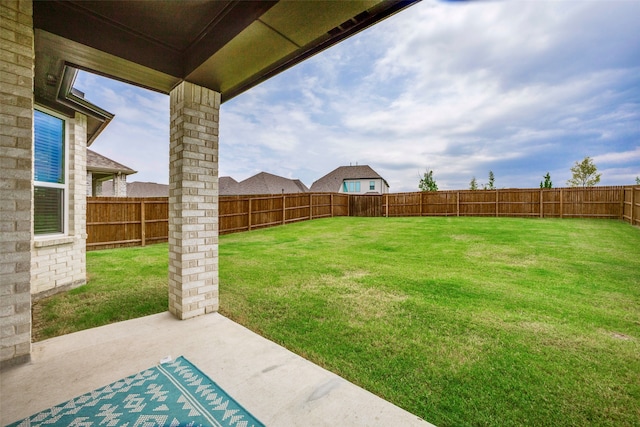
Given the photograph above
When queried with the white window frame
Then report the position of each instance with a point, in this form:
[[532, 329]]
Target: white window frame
[[348, 183], [64, 186]]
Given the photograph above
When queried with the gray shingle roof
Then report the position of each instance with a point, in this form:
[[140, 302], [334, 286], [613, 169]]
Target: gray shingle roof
[[99, 163], [266, 183], [138, 189], [227, 186], [147, 189], [332, 181]]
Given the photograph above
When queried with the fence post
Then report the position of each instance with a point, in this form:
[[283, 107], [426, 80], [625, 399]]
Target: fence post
[[457, 203], [633, 206], [622, 204], [386, 205], [143, 225], [561, 202], [310, 206], [331, 202], [249, 219], [284, 210], [541, 203], [497, 202]]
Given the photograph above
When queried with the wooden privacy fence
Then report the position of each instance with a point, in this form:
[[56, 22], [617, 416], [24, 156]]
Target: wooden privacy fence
[[243, 213], [135, 221], [116, 222], [590, 202]]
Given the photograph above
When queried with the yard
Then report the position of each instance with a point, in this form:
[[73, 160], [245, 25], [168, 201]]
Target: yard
[[461, 321]]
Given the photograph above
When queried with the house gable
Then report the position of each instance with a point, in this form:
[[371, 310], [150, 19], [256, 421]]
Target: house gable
[[334, 181]]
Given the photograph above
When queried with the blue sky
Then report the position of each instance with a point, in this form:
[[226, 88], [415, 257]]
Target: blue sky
[[521, 88]]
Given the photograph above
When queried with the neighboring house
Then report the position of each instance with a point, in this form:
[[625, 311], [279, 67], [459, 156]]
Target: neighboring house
[[352, 180], [138, 189], [101, 169], [262, 183], [227, 186]]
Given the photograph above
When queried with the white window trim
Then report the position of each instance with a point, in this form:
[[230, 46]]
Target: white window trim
[[64, 187]]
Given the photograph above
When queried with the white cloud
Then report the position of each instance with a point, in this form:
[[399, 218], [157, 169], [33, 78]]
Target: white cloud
[[520, 88], [619, 157]]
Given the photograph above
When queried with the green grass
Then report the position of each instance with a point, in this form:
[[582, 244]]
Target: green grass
[[122, 284], [461, 321]]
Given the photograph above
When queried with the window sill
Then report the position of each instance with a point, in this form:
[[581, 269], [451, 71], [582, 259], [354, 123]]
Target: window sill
[[53, 241]]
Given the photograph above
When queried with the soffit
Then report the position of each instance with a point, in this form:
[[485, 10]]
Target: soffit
[[225, 45]]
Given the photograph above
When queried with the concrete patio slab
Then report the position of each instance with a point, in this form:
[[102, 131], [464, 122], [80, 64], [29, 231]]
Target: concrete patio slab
[[277, 386]]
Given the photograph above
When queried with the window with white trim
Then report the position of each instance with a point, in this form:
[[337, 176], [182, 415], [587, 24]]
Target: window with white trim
[[351, 186], [49, 174], [372, 185]]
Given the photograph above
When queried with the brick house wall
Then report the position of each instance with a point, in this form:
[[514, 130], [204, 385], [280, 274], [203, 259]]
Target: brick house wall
[[59, 263], [16, 178]]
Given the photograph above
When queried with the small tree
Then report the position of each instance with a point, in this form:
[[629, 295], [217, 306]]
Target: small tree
[[584, 174], [473, 185], [492, 180], [427, 183], [638, 180], [490, 185], [547, 182]]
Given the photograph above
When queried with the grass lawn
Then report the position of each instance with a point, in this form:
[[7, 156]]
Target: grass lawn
[[461, 321]]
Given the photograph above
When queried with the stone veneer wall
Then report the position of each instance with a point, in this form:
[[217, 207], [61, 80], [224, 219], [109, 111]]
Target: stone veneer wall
[[16, 124], [193, 201], [59, 263]]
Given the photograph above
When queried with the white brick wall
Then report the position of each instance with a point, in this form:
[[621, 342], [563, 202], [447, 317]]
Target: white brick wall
[[120, 185], [59, 263], [193, 201], [16, 123]]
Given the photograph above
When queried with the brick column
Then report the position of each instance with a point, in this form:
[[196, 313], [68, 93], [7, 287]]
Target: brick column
[[193, 201], [89, 184], [96, 187], [120, 185], [16, 173]]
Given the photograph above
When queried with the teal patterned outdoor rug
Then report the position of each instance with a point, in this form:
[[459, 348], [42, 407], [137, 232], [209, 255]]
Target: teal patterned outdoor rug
[[170, 394]]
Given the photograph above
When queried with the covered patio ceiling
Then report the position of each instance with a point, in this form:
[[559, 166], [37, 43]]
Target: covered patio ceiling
[[225, 45]]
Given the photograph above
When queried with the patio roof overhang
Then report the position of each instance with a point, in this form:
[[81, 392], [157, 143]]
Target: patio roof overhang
[[225, 45]]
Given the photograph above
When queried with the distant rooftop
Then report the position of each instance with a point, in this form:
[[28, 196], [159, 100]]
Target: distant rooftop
[[261, 183], [332, 181], [99, 163], [138, 189]]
